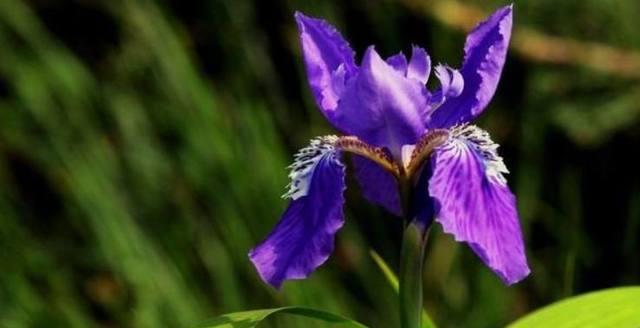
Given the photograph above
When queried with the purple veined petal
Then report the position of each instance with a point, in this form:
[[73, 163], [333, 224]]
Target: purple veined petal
[[474, 203], [485, 53], [419, 65], [377, 185], [324, 51], [381, 106], [398, 62], [304, 237]]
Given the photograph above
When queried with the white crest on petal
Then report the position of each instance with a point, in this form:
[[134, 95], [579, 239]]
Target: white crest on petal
[[481, 142], [305, 162], [406, 151]]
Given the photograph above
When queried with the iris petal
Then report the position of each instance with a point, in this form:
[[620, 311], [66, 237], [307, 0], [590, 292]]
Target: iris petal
[[485, 53], [474, 204], [378, 186], [422, 204], [304, 237], [451, 85], [381, 106], [419, 66], [398, 62], [324, 51]]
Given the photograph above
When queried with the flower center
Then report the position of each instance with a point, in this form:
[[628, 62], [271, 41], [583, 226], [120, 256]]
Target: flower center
[[327, 148], [424, 148], [379, 155], [411, 163]]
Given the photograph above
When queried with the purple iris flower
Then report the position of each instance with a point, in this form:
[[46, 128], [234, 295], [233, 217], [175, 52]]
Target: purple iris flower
[[400, 134]]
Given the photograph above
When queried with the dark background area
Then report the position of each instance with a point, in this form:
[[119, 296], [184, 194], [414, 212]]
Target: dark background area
[[143, 147]]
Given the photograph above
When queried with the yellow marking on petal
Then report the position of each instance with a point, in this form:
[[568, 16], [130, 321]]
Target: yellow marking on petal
[[424, 148], [377, 154]]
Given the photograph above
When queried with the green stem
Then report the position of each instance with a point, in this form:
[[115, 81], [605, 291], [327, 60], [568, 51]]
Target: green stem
[[414, 241], [411, 263]]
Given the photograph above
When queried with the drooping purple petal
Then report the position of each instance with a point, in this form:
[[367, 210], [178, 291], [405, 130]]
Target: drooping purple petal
[[485, 53], [419, 65], [381, 106], [377, 185], [474, 204], [304, 237], [324, 51]]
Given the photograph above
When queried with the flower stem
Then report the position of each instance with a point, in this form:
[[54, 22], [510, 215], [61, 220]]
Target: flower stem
[[410, 279]]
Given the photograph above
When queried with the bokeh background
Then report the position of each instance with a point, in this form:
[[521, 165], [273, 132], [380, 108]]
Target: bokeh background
[[143, 147]]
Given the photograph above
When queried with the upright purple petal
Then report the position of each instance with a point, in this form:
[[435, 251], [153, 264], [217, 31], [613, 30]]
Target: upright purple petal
[[485, 53], [418, 68], [324, 51], [398, 62], [474, 204], [419, 65], [381, 106], [451, 85], [378, 186], [304, 237]]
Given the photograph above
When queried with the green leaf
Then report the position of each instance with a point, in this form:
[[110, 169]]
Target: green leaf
[[615, 307], [388, 273], [249, 319], [393, 281]]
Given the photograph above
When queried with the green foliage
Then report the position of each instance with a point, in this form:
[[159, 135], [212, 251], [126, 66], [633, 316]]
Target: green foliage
[[393, 281], [144, 145], [249, 319], [615, 307]]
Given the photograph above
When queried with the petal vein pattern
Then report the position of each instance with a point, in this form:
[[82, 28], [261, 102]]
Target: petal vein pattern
[[303, 239], [474, 204], [305, 162], [481, 142]]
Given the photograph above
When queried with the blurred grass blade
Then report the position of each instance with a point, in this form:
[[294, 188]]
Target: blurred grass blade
[[391, 277], [248, 319], [393, 281], [616, 307]]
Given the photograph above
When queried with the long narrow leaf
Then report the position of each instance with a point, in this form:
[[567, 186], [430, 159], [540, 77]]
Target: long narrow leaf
[[249, 319], [386, 270]]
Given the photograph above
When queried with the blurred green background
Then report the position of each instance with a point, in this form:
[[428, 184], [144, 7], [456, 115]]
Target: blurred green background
[[143, 147]]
